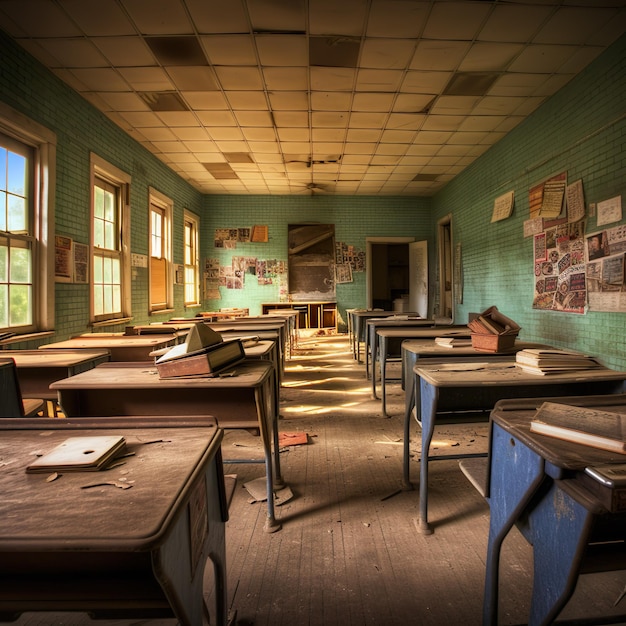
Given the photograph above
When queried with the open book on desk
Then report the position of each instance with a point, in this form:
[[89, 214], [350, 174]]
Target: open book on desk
[[546, 361], [605, 430]]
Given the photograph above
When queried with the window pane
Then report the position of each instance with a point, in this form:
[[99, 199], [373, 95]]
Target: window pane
[[16, 170], [98, 234], [20, 305], [97, 300], [4, 306], [3, 210], [98, 203], [107, 273], [3, 168], [117, 298], [109, 236], [20, 265], [115, 271], [4, 263], [97, 269], [108, 299], [109, 206], [18, 215]]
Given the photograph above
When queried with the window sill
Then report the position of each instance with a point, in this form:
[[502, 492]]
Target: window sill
[[162, 312], [28, 337], [112, 322]]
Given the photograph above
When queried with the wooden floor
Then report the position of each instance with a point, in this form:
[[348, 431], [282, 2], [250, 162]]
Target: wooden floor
[[349, 552]]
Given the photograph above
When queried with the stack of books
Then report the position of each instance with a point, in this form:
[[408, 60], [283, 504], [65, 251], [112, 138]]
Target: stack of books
[[553, 361]]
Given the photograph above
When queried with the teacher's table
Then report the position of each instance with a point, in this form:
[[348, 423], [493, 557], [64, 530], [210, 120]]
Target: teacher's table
[[376, 323], [359, 326], [574, 524], [120, 347], [415, 350], [468, 389], [128, 542], [38, 369], [389, 338], [242, 401]]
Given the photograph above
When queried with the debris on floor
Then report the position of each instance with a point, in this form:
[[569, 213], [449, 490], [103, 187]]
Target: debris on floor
[[292, 439], [257, 488]]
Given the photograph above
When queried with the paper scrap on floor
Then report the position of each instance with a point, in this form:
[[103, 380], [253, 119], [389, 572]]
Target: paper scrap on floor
[[257, 488], [292, 439]]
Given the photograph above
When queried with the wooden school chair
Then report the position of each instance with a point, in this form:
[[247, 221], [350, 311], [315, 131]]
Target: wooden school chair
[[11, 402]]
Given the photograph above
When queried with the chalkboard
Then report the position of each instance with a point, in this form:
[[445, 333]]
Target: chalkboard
[[311, 261]]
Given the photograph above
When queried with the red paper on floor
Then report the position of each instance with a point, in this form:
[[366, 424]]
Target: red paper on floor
[[292, 439]]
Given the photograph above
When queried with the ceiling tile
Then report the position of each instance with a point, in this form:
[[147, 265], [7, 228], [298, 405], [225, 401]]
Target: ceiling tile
[[329, 17], [71, 53], [277, 15], [146, 78], [379, 80], [542, 59], [109, 19], [36, 18], [159, 17], [282, 50], [289, 101], [489, 57], [396, 18], [286, 78], [192, 78], [217, 16], [247, 78], [125, 51], [514, 23], [100, 79], [229, 49], [387, 54], [458, 21]]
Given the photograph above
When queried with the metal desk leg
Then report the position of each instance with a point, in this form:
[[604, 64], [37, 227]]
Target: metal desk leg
[[515, 474], [382, 350], [269, 440], [429, 396], [406, 459]]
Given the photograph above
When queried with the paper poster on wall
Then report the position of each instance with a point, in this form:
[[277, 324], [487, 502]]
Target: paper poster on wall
[[63, 260], [546, 199], [606, 287], [502, 207], [81, 263], [609, 211], [560, 283], [575, 201]]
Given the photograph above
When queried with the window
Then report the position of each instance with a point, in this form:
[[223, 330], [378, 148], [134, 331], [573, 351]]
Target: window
[[161, 292], [27, 169], [192, 272], [109, 243]]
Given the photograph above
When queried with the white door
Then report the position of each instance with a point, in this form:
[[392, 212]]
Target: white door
[[418, 278]]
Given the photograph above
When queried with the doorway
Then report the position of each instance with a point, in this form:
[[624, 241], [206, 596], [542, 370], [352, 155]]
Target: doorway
[[391, 277], [445, 278]]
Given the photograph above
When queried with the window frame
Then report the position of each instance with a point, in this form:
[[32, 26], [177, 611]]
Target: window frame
[[193, 220], [42, 142], [163, 268], [111, 175]]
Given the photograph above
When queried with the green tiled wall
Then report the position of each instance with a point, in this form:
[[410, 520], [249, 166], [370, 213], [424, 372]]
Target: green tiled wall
[[354, 220], [581, 131]]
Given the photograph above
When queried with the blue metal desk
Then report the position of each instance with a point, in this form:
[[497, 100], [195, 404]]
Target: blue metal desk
[[537, 483], [467, 390], [414, 350], [386, 336], [373, 325]]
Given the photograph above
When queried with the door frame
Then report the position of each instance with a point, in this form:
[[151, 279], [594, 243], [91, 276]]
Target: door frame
[[368, 261]]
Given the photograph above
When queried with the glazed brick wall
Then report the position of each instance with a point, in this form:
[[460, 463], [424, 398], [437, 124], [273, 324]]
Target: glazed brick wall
[[581, 131]]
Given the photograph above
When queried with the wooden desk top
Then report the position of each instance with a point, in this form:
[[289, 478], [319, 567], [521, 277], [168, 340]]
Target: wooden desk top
[[401, 320], [262, 348], [106, 341], [408, 332], [504, 372], [427, 347], [514, 415], [249, 374], [64, 515], [53, 358]]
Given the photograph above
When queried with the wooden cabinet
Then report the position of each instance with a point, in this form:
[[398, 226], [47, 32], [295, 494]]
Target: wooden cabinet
[[310, 314]]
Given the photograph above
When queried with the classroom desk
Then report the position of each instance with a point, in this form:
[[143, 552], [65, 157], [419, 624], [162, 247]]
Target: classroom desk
[[537, 483], [414, 350], [372, 326], [359, 321], [397, 334], [114, 552], [475, 387], [38, 369], [244, 401], [121, 347]]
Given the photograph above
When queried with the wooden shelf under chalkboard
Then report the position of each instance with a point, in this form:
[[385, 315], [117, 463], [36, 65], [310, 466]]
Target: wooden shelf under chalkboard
[[310, 314]]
